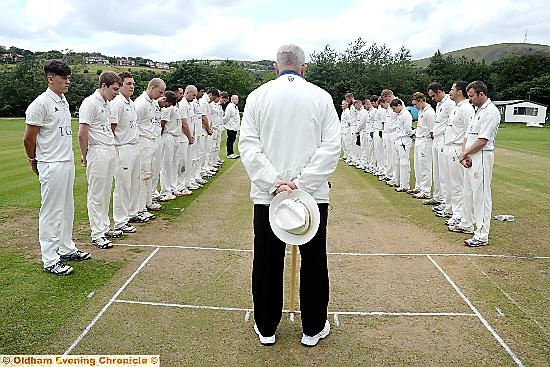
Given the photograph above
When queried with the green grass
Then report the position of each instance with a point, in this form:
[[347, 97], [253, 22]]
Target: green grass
[[34, 305], [524, 194]]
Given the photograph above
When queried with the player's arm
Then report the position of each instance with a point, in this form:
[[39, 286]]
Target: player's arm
[[29, 141]]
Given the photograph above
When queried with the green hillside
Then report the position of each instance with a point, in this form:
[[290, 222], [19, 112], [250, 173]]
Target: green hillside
[[492, 52]]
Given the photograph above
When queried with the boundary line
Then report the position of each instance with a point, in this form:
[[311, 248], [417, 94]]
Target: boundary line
[[335, 313], [349, 253], [477, 313], [113, 298]]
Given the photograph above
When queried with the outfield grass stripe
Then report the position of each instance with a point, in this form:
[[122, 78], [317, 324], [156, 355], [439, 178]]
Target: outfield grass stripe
[[478, 314], [113, 298]]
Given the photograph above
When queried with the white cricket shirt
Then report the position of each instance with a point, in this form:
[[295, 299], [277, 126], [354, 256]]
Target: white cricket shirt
[[232, 117], [123, 114], [484, 125], [148, 116], [426, 118], [95, 112], [458, 122], [443, 111]]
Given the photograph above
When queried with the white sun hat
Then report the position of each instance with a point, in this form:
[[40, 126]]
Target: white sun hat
[[295, 217]]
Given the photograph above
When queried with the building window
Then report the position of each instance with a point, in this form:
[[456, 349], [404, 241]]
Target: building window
[[527, 111]]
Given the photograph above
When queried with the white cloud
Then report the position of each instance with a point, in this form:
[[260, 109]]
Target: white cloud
[[183, 29]]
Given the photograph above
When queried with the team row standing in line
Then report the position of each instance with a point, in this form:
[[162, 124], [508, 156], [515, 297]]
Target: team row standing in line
[[453, 148], [173, 136]]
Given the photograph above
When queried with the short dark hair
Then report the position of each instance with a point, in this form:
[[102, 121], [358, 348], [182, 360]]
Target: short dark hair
[[478, 87], [374, 98], [200, 87], [109, 78], [56, 67], [461, 86], [214, 92], [435, 87], [170, 97], [396, 102], [224, 95], [175, 87], [124, 75]]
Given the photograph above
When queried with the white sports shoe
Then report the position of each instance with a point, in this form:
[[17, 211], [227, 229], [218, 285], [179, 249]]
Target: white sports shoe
[[311, 341], [264, 340]]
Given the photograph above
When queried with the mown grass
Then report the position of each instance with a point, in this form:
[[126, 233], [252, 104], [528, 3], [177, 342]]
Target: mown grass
[[34, 305], [522, 194]]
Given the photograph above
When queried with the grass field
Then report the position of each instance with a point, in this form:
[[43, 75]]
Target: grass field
[[34, 305], [154, 313]]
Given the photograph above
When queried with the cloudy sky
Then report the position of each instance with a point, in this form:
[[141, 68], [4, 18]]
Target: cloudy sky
[[170, 30]]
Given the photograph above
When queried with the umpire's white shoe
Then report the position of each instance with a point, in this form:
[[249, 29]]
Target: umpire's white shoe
[[264, 340], [311, 341]]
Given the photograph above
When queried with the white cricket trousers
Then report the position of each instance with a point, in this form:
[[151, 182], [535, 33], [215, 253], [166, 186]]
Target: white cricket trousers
[[157, 166], [379, 151], [100, 170], [146, 153], [438, 160], [423, 165], [55, 222], [346, 144], [456, 179], [125, 195], [403, 167], [216, 144], [181, 158], [169, 170], [477, 194], [208, 146], [189, 163], [363, 148], [198, 156], [389, 143], [370, 150]]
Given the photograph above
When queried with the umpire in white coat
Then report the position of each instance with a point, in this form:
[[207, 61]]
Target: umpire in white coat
[[290, 138]]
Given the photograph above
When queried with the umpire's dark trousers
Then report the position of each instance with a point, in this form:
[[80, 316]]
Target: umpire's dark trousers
[[267, 276], [231, 137]]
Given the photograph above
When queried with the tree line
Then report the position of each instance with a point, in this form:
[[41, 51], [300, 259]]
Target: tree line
[[362, 68]]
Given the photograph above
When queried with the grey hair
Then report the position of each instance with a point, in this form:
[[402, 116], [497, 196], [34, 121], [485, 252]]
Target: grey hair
[[290, 55]]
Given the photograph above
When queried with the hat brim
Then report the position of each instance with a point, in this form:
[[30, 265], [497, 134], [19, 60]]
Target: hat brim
[[291, 238]]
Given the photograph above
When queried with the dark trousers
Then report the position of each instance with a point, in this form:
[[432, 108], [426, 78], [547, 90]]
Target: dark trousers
[[267, 276], [231, 137]]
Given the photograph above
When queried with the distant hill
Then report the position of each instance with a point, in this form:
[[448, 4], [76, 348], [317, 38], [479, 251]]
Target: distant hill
[[491, 53]]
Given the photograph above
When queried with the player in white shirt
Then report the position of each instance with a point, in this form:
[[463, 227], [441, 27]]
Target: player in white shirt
[[403, 142], [97, 144], [125, 129], [356, 114], [186, 175], [423, 147], [379, 150], [454, 138], [216, 118], [207, 124], [445, 106], [202, 129], [345, 122], [478, 158], [290, 138], [361, 131], [170, 121], [389, 138], [372, 107], [232, 120], [49, 146], [187, 139], [148, 115]]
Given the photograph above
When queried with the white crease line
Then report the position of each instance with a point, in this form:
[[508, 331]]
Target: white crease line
[[348, 253], [113, 299], [178, 305], [186, 247], [478, 314], [249, 310], [247, 316]]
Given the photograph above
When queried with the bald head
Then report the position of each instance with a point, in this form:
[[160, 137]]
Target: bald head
[[190, 92], [235, 99], [156, 88]]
